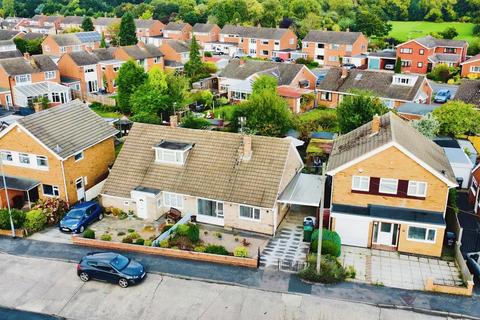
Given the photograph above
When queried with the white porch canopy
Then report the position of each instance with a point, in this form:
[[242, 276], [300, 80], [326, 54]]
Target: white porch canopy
[[304, 189]]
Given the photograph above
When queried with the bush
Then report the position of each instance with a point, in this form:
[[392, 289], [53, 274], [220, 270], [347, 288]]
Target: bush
[[134, 235], [89, 234], [140, 241], [331, 242], [53, 208], [35, 220], [166, 227], [331, 270], [240, 252], [130, 230], [148, 243], [207, 54], [193, 233], [127, 239], [106, 237], [215, 249], [199, 249], [350, 272], [120, 233], [182, 230], [164, 243], [18, 217]]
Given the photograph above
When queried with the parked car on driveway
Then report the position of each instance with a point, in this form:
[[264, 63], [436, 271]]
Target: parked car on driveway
[[111, 267], [473, 262], [276, 59], [349, 66], [442, 96], [389, 66], [81, 216]]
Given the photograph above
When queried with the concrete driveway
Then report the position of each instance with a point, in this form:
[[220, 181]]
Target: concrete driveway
[[440, 86], [52, 234], [52, 287]]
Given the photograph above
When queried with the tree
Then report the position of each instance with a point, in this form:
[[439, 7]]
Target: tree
[[127, 34], [371, 23], [457, 118], [103, 43], [398, 65], [8, 7], [72, 29], [194, 67], [146, 15], [130, 77], [157, 79], [113, 30], [33, 46], [449, 33], [87, 24], [264, 82], [358, 109], [192, 122], [147, 104], [428, 126]]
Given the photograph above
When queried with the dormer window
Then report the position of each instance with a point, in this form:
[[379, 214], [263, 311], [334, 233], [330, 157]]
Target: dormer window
[[404, 80], [172, 152]]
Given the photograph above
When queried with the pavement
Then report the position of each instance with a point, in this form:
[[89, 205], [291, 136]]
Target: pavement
[[52, 287], [270, 280]]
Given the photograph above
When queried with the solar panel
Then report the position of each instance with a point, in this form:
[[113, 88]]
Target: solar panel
[[90, 36]]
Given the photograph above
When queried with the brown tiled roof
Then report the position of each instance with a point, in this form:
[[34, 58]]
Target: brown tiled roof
[[469, 92], [361, 141], [213, 168]]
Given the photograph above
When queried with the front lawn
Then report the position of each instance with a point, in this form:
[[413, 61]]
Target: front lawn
[[105, 112], [405, 30]]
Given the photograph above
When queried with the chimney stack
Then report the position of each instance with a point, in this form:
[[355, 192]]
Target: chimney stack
[[375, 124], [26, 56], [344, 73], [247, 147], [173, 121]]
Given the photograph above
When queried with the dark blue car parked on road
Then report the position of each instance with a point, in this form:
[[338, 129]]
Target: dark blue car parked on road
[[81, 216]]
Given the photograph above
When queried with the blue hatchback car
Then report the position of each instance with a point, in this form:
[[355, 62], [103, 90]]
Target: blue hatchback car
[[81, 216], [442, 96]]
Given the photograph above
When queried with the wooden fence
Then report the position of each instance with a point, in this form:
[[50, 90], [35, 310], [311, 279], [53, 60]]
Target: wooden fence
[[105, 100]]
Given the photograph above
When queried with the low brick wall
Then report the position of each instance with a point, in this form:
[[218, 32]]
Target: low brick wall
[[18, 233], [173, 253], [463, 291]]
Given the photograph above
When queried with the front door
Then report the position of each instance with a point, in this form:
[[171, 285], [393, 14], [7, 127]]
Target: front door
[[142, 207], [80, 189], [385, 233]]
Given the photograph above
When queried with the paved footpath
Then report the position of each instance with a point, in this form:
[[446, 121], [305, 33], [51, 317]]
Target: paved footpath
[[259, 279]]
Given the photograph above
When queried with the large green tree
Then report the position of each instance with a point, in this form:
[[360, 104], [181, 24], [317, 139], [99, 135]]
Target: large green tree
[[8, 7], [357, 109], [371, 23], [130, 77], [265, 82], [87, 24], [457, 118], [127, 35], [428, 126], [194, 68]]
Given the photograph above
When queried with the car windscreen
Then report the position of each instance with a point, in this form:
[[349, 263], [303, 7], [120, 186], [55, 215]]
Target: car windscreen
[[442, 93], [75, 213], [119, 262]]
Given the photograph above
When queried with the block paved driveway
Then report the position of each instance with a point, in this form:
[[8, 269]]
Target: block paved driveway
[[393, 269]]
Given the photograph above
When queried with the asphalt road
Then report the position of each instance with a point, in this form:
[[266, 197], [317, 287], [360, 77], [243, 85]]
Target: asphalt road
[[14, 314]]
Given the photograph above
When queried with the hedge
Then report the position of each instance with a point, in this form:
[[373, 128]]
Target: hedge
[[331, 242], [35, 220], [18, 217]]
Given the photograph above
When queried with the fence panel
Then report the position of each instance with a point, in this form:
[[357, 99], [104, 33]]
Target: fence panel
[[94, 191], [108, 101]]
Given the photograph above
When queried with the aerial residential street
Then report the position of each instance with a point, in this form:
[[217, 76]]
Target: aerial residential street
[[52, 287]]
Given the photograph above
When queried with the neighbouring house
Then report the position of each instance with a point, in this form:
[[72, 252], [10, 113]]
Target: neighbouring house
[[382, 60], [25, 79], [298, 99], [469, 92], [471, 67], [148, 28], [474, 190], [42, 159], [176, 54], [10, 34], [415, 111], [83, 67], [390, 186], [146, 55], [101, 24], [334, 48], [109, 67], [58, 44], [422, 54], [71, 22], [206, 33], [160, 167], [393, 89], [460, 162], [180, 31], [237, 77], [40, 20], [8, 49], [259, 42]]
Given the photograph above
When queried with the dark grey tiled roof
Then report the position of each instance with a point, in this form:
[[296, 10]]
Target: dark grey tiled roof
[[203, 27], [72, 20], [384, 54], [416, 108], [175, 26], [337, 37], [105, 21], [137, 52], [378, 82], [361, 141], [38, 63], [8, 34], [469, 92], [104, 54], [284, 72], [83, 58], [173, 64], [69, 128], [179, 46], [431, 42], [144, 24], [254, 32], [75, 39], [10, 54], [33, 35], [445, 57], [53, 18]]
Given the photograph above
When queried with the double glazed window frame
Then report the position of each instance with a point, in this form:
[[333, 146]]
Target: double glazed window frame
[[427, 236], [361, 183], [254, 213], [387, 183]]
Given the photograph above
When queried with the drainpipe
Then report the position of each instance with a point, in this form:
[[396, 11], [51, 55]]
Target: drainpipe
[[65, 183]]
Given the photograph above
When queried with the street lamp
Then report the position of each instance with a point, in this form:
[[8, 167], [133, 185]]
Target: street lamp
[[6, 195]]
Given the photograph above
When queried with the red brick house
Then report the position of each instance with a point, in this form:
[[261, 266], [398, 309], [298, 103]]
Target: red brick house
[[177, 31], [206, 32], [471, 67]]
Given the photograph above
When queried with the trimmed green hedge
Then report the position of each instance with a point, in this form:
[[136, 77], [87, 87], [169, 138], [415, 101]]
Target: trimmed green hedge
[[331, 243], [18, 217], [35, 220]]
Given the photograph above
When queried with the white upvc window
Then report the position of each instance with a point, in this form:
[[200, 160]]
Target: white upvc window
[[63, 49], [250, 213], [417, 189], [360, 183], [42, 161], [291, 41], [421, 234], [24, 158], [7, 156], [211, 208], [349, 47], [50, 75], [50, 191], [169, 156], [389, 186], [406, 50], [23, 78], [173, 200], [475, 69], [264, 41], [78, 156], [253, 41]]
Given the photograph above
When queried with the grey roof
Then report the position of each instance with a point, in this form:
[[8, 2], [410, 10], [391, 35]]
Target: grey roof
[[72, 20], [179, 46], [431, 42], [75, 39], [377, 82], [144, 24], [137, 52], [203, 27], [105, 21], [10, 54], [33, 35], [40, 89], [175, 26], [416, 108], [254, 32], [284, 72], [445, 57], [173, 64], [392, 54], [68, 128], [104, 54], [304, 189], [83, 58], [337, 37], [17, 183], [38, 63], [8, 34], [53, 18], [37, 17], [469, 92], [361, 141]]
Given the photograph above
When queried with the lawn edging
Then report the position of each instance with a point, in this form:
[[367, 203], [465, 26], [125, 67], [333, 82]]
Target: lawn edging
[[20, 233], [172, 253], [462, 291]]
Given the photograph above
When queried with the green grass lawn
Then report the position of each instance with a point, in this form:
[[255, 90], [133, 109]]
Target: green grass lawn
[[106, 113], [315, 114], [226, 111], [405, 30]]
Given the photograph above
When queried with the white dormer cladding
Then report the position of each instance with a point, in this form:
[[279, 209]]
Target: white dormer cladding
[[172, 152], [404, 79]]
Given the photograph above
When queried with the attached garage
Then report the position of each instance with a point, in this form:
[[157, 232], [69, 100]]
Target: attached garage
[[353, 231]]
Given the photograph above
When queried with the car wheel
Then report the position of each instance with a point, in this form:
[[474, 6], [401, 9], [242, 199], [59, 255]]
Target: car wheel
[[123, 282], [84, 276], [100, 216], [81, 229]]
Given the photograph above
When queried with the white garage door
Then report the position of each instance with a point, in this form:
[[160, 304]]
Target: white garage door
[[353, 232]]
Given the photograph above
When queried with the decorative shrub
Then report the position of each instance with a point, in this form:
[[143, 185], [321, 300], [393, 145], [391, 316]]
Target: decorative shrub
[[350, 272], [140, 241], [164, 243], [331, 270], [199, 249], [240, 252], [89, 234], [183, 242], [35, 220], [134, 235], [131, 230], [18, 217], [193, 232], [148, 243], [215, 249], [53, 208], [166, 227], [149, 228], [127, 239], [120, 233], [207, 54], [182, 229], [331, 242], [106, 237]]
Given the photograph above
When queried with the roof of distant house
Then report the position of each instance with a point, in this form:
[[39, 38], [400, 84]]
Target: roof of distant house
[[37, 63], [471, 59], [10, 54], [336, 37], [145, 23], [8, 34], [431, 42], [361, 141], [178, 46], [143, 52], [68, 128], [254, 32], [175, 26], [83, 58], [104, 54], [203, 27], [75, 39], [227, 177], [469, 92], [105, 21], [420, 109], [33, 35], [73, 20]]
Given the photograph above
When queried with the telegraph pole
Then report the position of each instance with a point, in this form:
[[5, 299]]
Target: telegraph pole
[[320, 217]]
